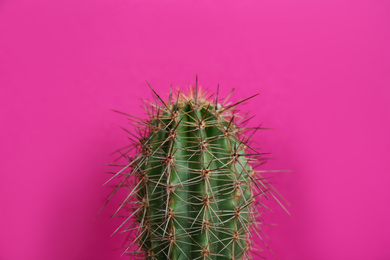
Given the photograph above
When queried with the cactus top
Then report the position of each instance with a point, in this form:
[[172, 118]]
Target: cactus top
[[195, 187]]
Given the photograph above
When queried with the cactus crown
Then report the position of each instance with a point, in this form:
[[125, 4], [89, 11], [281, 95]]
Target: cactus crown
[[192, 184]]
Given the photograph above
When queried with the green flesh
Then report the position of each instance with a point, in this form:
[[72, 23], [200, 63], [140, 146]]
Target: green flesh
[[195, 201]]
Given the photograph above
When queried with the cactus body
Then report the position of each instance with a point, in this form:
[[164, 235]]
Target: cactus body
[[193, 195]]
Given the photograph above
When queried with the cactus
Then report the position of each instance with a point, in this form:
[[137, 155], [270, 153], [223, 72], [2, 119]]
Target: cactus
[[191, 182]]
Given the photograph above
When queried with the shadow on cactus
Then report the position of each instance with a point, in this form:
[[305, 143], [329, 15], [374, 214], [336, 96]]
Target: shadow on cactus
[[193, 191]]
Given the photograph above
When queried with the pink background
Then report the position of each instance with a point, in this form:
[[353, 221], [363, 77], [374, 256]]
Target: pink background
[[322, 69]]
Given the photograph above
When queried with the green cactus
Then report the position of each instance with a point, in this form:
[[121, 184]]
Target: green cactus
[[191, 183]]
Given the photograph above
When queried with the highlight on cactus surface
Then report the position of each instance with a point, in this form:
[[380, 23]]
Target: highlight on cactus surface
[[192, 186]]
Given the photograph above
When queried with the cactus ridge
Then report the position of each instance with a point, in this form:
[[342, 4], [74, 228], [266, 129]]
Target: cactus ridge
[[192, 188]]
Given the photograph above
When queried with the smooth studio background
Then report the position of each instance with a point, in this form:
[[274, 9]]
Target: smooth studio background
[[322, 71]]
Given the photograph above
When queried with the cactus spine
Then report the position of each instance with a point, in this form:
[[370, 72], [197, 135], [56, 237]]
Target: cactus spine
[[192, 184]]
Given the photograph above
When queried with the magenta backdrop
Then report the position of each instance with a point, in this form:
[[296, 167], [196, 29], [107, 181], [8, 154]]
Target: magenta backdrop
[[322, 69]]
